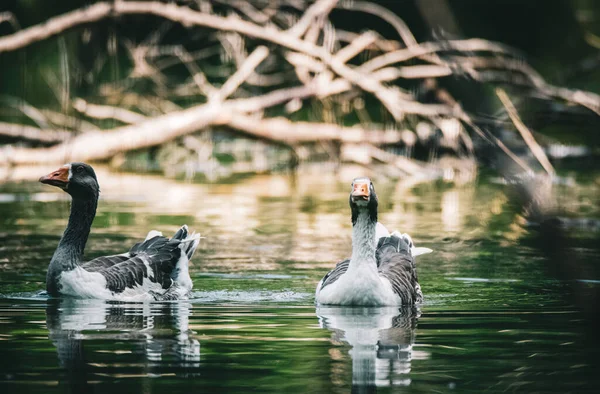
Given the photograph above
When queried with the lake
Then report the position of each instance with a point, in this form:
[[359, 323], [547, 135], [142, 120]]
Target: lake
[[493, 320]]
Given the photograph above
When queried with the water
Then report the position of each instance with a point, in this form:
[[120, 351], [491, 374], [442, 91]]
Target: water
[[494, 320]]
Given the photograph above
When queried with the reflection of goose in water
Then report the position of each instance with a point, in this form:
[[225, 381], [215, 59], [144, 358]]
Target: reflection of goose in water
[[146, 336], [381, 339]]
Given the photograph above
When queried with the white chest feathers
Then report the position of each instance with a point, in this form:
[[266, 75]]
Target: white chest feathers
[[359, 287]]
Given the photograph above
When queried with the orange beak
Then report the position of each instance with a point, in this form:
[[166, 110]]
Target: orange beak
[[58, 178], [361, 190]]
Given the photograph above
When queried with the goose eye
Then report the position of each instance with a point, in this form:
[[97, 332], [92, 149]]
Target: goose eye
[[80, 169]]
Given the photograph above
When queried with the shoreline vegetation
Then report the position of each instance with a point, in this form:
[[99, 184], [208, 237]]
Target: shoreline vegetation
[[284, 77]]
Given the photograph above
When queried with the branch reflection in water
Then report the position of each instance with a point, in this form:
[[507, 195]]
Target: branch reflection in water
[[151, 339], [381, 340]]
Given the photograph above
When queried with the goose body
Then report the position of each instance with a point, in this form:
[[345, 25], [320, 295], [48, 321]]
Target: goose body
[[381, 270], [155, 269]]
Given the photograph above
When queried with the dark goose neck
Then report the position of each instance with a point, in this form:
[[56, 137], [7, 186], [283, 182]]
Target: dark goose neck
[[80, 222], [70, 248]]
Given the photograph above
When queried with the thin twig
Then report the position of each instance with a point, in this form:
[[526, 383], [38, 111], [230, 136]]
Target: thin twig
[[197, 75], [355, 47], [536, 149], [107, 112], [32, 133], [242, 73], [318, 8]]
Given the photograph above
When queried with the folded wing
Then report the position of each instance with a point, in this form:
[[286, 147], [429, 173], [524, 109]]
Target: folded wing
[[396, 263]]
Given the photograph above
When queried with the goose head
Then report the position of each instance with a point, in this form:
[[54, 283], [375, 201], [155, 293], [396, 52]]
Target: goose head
[[77, 179], [363, 199]]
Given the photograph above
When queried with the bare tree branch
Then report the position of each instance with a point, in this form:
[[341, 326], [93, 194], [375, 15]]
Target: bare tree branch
[[245, 70], [153, 131], [319, 8], [297, 132], [385, 14], [356, 46], [402, 55], [32, 133], [393, 100], [54, 26], [107, 112], [67, 121], [536, 149], [309, 46], [197, 75]]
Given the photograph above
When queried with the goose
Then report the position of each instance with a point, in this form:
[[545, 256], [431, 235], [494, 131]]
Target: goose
[[154, 269], [381, 270]]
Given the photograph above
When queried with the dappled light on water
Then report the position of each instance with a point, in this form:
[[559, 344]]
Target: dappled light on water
[[492, 317]]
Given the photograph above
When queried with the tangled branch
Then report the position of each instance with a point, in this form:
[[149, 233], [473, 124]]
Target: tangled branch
[[307, 46]]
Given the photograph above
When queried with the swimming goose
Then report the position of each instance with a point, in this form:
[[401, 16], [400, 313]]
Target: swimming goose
[[381, 270], [155, 269]]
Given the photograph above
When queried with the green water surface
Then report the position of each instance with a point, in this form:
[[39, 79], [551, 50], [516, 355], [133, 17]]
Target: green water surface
[[494, 319]]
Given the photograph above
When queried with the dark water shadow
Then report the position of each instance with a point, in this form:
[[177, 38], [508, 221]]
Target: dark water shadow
[[381, 340], [153, 338]]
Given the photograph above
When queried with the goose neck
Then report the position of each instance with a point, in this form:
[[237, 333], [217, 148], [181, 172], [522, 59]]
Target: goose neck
[[363, 234], [72, 244]]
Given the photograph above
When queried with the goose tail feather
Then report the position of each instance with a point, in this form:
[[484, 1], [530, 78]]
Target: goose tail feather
[[413, 250], [380, 232], [188, 242], [182, 233], [397, 242], [152, 234], [149, 244]]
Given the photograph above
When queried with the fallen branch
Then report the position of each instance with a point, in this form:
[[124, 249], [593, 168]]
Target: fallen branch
[[317, 9], [68, 121], [107, 112], [198, 76], [356, 46], [536, 149], [151, 132], [101, 145], [407, 166], [402, 55], [379, 45], [96, 145], [309, 46], [394, 100], [32, 133], [299, 132], [242, 73]]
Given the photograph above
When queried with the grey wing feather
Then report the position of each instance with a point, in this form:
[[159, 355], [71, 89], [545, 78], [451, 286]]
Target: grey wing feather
[[160, 254], [133, 271], [127, 274], [395, 262], [333, 275], [104, 262], [154, 259]]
